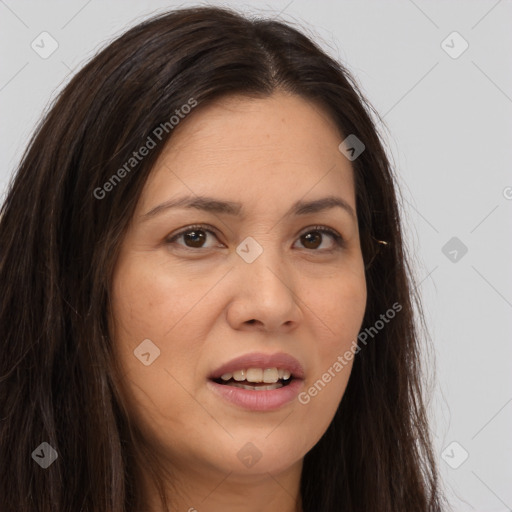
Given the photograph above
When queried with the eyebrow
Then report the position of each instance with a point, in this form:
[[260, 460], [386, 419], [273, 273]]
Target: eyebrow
[[213, 205]]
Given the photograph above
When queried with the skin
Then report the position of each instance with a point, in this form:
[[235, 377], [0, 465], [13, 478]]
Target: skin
[[204, 305]]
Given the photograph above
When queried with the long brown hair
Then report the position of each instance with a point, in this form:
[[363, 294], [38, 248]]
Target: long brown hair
[[59, 243]]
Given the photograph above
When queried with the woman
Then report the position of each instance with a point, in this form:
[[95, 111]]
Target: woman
[[206, 301]]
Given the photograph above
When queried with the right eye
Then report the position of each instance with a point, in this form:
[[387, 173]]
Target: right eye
[[193, 237]]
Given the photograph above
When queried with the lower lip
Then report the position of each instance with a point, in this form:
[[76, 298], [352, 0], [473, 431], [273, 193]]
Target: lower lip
[[268, 400]]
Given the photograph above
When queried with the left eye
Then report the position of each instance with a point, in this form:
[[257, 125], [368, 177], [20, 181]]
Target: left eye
[[314, 236], [194, 237]]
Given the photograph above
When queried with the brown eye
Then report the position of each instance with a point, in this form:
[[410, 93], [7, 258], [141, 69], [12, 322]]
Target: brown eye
[[311, 240], [314, 238], [194, 237]]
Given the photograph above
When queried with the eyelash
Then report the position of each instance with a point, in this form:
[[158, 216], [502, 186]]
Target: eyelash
[[338, 239]]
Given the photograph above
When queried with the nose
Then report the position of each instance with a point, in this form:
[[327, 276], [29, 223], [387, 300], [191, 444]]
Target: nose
[[265, 295]]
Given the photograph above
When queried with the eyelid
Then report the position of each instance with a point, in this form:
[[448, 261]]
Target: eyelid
[[322, 228], [204, 227]]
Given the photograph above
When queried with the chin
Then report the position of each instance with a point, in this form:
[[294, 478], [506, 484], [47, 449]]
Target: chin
[[260, 452]]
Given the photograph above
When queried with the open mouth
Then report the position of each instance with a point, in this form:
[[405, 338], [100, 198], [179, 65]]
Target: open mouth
[[256, 379], [258, 382]]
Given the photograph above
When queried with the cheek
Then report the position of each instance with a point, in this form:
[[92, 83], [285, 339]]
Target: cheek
[[150, 317], [146, 306], [149, 301], [340, 308]]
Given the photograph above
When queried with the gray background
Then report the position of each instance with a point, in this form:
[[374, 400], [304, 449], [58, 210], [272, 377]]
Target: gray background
[[449, 127]]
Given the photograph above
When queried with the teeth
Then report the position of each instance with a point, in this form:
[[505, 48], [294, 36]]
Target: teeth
[[254, 375], [239, 375], [257, 388], [270, 375], [266, 375]]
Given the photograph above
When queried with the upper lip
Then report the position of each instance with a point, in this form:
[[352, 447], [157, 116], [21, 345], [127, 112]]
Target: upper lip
[[261, 360]]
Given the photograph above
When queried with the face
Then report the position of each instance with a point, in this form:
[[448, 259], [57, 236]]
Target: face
[[259, 280]]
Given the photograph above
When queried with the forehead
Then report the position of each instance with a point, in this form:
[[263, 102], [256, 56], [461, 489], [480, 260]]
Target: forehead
[[253, 150]]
